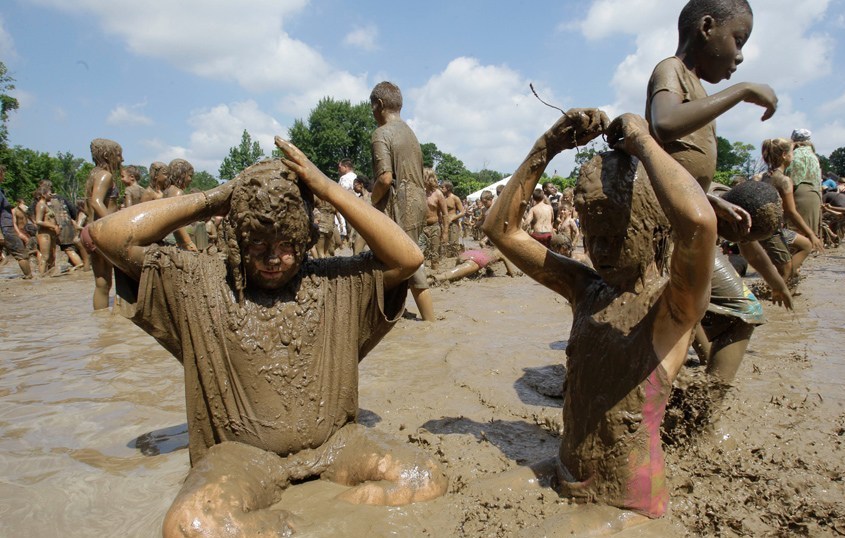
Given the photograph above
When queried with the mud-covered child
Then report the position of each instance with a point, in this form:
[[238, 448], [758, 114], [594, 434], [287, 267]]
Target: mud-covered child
[[711, 35], [399, 187], [633, 315], [270, 341]]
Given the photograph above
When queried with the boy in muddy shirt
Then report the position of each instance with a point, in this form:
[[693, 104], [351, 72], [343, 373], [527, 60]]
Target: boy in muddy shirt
[[270, 341], [633, 315]]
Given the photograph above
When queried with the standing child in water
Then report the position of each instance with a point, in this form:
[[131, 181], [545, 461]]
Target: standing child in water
[[711, 34], [101, 201], [270, 341], [633, 315]]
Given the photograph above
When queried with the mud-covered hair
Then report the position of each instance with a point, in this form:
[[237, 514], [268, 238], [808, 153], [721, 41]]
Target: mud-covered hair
[[486, 195], [267, 193], [389, 94], [134, 172], [720, 10], [155, 168], [561, 241], [614, 190], [105, 153], [179, 170], [762, 202], [429, 179], [775, 151]]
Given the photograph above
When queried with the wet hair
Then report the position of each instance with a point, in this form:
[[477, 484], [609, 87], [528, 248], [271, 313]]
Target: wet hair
[[561, 242], [267, 193], [133, 172], [720, 10], [614, 190], [105, 153], [499, 189], [429, 178], [448, 185], [538, 195], [762, 202], [775, 151], [389, 94], [179, 170], [155, 168], [347, 162], [486, 195]]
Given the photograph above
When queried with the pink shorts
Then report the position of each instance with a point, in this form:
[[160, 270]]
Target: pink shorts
[[481, 257]]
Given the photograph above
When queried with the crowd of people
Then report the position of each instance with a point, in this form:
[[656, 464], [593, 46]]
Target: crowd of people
[[633, 247]]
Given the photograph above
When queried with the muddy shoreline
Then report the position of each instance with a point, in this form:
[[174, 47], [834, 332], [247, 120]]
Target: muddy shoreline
[[94, 439]]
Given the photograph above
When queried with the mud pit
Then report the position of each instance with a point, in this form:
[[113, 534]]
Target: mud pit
[[93, 438]]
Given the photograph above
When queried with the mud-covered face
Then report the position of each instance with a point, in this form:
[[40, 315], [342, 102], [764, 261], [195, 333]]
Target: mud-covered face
[[160, 178], [723, 50], [618, 257], [125, 178], [270, 261]]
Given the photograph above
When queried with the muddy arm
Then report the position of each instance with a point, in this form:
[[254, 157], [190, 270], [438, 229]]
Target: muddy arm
[[672, 118], [102, 186], [123, 237], [386, 239], [504, 219], [689, 212], [757, 258]]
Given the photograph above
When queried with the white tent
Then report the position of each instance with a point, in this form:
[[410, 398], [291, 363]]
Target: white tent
[[492, 188]]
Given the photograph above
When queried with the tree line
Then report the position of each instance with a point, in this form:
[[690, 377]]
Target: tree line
[[334, 129]]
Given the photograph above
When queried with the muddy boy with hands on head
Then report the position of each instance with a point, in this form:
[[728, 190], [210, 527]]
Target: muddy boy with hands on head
[[633, 315], [270, 341]]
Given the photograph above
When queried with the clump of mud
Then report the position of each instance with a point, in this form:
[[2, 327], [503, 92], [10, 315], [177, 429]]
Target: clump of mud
[[728, 477]]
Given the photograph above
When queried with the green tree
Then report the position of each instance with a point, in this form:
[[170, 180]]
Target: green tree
[[7, 105], [452, 169], [837, 161], [584, 155], [431, 155], [64, 175], [241, 156], [203, 181], [24, 169], [336, 130]]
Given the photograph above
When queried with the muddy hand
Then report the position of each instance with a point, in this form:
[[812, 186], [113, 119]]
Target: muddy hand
[[302, 165], [577, 128], [738, 219], [626, 132]]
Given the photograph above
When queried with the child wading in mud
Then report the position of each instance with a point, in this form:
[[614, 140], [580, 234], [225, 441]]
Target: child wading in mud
[[711, 34], [633, 315], [270, 341]]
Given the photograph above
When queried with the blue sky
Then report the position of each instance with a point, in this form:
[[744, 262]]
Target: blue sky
[[183, 78]]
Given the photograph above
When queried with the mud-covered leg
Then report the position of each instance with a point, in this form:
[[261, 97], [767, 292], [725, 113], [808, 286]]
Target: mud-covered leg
[[229, 492], [382, 470], [727, 352]]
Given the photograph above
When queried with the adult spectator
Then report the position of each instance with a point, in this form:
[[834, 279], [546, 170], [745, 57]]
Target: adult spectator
[[806, 175]]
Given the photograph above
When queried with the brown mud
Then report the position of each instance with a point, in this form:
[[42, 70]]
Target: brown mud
[[93, 437]]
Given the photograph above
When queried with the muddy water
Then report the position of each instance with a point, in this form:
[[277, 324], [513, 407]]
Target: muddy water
[[93, 442]]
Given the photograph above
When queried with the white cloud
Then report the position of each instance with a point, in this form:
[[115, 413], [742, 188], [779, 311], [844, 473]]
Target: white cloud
[[7, 43], [829, 136], [244, 42], [127, 116], [834, 106], [363, 37], [483, 114], [216, 130]]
